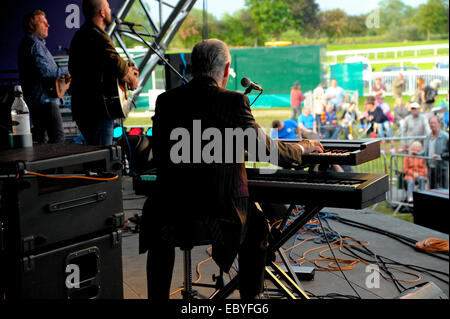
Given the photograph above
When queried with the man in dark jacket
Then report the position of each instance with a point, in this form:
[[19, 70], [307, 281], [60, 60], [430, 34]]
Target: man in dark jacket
[[197, 181], [94, 63]]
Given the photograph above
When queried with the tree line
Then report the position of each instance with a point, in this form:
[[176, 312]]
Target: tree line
[[302, 21]]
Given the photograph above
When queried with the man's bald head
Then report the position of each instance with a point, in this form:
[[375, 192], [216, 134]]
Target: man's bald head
[[210, 58], [91, 8], [97, 12]]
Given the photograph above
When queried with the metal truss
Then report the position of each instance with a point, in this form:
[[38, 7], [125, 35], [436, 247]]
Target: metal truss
[[161, 34]]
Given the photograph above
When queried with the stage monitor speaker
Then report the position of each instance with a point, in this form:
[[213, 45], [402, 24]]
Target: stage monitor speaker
[[182, 63], [430, 209], [426, 291], [89, 269]]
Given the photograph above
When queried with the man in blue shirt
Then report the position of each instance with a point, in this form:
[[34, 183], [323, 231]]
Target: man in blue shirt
[[284, 129], [37, 67], [307, 125], [335, 95]]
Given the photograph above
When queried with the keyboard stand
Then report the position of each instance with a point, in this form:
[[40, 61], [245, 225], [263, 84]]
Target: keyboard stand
[[289, 277]]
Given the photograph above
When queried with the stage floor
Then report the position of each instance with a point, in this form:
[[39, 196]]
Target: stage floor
[[326, 284]]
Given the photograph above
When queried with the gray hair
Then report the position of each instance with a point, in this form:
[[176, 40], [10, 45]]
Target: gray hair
[[435, 117], [435, 84], [209, 58]]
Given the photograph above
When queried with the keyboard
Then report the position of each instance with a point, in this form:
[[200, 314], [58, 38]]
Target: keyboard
[[327, 189], [342, 152]]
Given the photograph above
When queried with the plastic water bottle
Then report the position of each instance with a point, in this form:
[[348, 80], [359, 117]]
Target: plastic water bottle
[[20, 119]]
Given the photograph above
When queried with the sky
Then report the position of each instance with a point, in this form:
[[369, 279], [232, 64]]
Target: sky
[[351, 7]]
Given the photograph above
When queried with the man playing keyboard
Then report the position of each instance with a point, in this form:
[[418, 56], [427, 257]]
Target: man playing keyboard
[[214, 192]]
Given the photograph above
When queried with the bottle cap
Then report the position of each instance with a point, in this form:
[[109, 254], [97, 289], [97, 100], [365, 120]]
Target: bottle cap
[[18, 90]]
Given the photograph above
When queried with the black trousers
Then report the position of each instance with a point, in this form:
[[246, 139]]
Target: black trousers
[[251, 259], [47, 123]]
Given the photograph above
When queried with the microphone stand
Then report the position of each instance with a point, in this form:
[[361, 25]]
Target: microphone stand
[[138, 34], [248, 90]]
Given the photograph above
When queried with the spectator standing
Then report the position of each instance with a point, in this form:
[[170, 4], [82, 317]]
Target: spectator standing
[[335, 95], [401, 111], [415, 170], [318, 95], [398, 87], [307, 125], [418, 95], [378, 91], [430, 92], [436, 144], [297, 99], [286, 129], [415, 124], [318, 103]]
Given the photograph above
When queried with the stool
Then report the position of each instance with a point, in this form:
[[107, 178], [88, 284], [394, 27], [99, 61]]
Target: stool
[[197, 235]]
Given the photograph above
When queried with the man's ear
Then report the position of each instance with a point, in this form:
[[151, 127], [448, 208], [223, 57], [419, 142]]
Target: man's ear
[[226, 72], [32, 25]]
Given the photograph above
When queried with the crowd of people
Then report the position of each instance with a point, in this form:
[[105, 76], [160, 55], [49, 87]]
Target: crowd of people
[[418, 127], [333, 115]]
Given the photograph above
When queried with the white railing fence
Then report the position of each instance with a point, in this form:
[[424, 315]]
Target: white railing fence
[[410, 77], [382, 51]]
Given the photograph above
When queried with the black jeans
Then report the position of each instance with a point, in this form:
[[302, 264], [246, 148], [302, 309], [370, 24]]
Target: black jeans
[[251, 257], [47, 123], [97, 132]]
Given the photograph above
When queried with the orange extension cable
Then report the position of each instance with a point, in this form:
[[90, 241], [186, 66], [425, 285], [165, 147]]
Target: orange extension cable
[[430, 244], [433, 244], [71, 176]]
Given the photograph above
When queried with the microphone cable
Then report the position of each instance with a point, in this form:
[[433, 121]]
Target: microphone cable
[[339, 266]]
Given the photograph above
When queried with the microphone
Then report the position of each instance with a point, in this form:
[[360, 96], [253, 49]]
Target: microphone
[[130, 24], [247, 83]]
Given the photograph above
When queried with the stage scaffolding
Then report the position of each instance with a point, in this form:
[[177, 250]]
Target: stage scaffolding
[[158, 37]]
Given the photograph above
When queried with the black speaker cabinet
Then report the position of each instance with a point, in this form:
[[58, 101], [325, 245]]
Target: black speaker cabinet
[[430, 209], [89, 269], [40, 212], [61, 159], [182, 63]]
